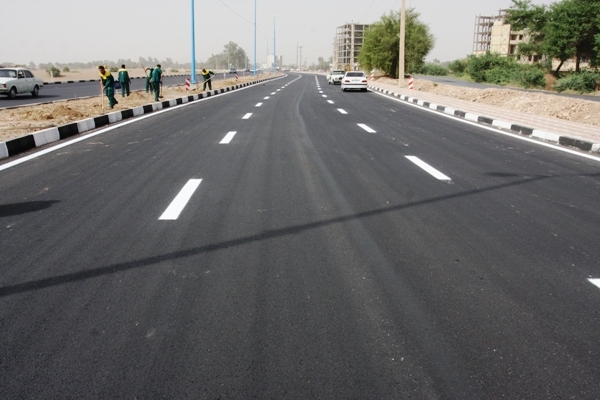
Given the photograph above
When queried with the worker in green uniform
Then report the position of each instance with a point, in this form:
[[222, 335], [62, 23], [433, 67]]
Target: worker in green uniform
[[124, 80], [156, 81], [206, 74], [108, 82], [149, 79]]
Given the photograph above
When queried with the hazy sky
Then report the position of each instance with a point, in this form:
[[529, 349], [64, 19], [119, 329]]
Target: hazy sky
[[86, 30]]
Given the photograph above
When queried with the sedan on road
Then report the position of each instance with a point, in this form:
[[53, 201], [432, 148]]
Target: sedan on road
[[354, 80], [15, 81]]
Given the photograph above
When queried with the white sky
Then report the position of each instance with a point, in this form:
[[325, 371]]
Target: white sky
[[88, 30]]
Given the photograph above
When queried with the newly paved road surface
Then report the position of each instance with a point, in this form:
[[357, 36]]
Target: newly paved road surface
[[289, 240]]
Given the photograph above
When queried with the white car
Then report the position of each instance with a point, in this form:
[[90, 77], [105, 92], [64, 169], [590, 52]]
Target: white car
[[354, 80], [335, 77], [16, 80]]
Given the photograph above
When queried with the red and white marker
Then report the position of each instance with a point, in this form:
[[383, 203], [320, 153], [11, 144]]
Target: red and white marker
[[411, 83], [187, 83]]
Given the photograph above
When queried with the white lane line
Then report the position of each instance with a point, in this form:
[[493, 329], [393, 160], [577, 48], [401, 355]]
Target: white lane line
[[258, 104], [266, 98], [342, 111], [595, 282], [324, 95], [330, 101], [366, 128], [428, 168], [228, 137], [273, 94], [247, 116], [178, 204]]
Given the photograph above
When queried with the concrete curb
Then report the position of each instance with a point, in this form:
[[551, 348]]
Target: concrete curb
[[96, 80], [505, 125], [41, 138]]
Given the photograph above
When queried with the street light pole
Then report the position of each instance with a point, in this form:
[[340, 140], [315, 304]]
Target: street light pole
[[402, 46], [274, 47], [193, 47]]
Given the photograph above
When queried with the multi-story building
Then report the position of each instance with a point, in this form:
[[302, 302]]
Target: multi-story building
[[493, 34], [347, 43]]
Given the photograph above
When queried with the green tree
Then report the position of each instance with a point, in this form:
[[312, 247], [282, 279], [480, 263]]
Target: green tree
[[381, 45], [563, 30]]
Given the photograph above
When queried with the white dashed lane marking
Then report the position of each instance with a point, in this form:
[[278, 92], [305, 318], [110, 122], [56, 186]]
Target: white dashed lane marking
[[247, 116], [228, 137], [258, 104], [595, 282], [366, 128], [178, 204], [330, 101], [342, 111], [428, 168]]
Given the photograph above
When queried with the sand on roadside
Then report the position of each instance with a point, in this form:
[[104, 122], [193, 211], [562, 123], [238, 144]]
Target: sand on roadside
[[18, 122]]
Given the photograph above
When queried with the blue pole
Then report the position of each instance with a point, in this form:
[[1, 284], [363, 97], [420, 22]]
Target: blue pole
[[193, 47], [254, 38]]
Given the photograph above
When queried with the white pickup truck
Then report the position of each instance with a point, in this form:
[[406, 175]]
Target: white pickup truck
[[335, 77]]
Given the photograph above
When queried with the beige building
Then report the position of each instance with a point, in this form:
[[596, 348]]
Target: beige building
[[493, 34], [347, 44]]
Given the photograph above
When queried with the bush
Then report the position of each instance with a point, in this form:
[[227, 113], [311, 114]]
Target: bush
[[491, 68], [53, 71], [530, 77], [66, 69], [458, 67], [114, 69], [582, 82], [433, 70], [497, 76]]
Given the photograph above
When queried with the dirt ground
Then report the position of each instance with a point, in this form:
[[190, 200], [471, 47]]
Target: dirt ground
[[546, 104], [21, 121]]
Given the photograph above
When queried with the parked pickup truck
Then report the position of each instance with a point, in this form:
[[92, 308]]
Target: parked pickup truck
[[335, 77]]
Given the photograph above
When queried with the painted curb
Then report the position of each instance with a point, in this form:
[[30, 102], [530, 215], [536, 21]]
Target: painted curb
[[36, 139]]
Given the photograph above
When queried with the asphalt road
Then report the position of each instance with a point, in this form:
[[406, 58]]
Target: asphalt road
[[64, 91], [303, 256]]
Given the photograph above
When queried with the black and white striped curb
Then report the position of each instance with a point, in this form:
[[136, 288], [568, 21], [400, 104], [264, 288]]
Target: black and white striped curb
[[516, 128], [41, 138]]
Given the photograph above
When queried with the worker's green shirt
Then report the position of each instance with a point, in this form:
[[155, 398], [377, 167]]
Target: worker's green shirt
[[123, 76], [109, 81], [207, 75], [156, 75]]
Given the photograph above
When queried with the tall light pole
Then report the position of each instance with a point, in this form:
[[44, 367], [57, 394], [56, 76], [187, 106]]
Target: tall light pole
[[402, 47], [274, 46], [254, 73], [193, 47]]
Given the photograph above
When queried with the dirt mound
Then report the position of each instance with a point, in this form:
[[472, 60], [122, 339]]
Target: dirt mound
[[546, 104]]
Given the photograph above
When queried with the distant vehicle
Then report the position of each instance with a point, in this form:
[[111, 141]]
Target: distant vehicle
[[232, 71], [335, 77], [15, 81], [354, 80]]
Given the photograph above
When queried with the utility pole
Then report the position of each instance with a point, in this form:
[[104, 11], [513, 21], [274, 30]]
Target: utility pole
[[193, 47], [300, 66], [402, 46]]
